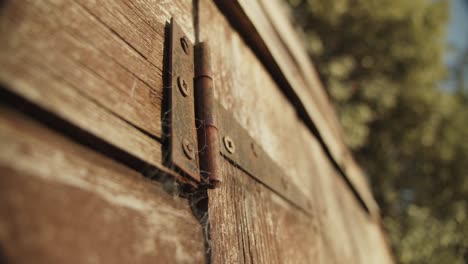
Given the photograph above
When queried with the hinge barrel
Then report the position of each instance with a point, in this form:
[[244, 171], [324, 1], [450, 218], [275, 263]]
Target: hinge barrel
[[205, 111]]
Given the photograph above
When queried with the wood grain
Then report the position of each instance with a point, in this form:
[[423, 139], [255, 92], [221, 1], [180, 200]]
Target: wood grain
[[61, 203], [250, 224]]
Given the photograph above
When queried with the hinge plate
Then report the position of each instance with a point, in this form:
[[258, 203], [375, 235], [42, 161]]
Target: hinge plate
[[184, 146], [241, 149], [219, 134]]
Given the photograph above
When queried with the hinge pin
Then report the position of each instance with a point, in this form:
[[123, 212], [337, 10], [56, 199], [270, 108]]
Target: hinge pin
[[208, 140]]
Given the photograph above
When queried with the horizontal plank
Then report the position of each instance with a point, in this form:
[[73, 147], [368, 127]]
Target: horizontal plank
[[61, 57], [65, 40], [270, 33], [61, 99], [294, 50], [98, 65], [62, 203]]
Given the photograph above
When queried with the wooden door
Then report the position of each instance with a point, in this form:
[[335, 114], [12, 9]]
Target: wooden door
[[84, 162]]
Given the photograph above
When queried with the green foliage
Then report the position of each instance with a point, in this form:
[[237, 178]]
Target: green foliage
[[425, 239], [382, 64]]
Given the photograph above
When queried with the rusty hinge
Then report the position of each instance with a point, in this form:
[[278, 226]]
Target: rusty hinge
[[203, 132]]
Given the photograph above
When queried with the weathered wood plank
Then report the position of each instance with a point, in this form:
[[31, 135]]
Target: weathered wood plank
[[91, 70], [62, 99], [69, 42], [296, 52], [54, 192], [250, 224], [270, 32], [245, 87]]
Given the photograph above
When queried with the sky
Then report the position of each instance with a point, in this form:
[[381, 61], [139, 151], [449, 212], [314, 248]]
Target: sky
[[457, 38], [457, 33]]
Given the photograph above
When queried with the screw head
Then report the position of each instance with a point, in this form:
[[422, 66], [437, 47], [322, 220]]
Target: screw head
[[189, 148], [229, 144], [183, 86], [184, 44]]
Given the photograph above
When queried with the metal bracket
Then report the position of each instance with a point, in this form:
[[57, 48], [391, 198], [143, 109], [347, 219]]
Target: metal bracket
[[184, 144]]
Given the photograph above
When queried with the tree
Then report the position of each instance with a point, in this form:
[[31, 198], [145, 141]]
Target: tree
[[382, 64]]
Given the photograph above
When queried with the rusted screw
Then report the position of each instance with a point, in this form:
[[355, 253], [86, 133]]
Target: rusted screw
[[189, 148], [183, 86], [229, 144], [184, 44]]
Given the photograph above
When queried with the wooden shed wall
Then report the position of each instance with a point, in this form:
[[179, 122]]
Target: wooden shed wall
[[81, 131]]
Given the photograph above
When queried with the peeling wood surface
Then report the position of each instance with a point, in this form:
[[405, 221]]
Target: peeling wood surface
[[61, 203]]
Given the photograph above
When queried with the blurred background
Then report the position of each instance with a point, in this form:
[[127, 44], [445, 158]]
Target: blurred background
[[397, 71]]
